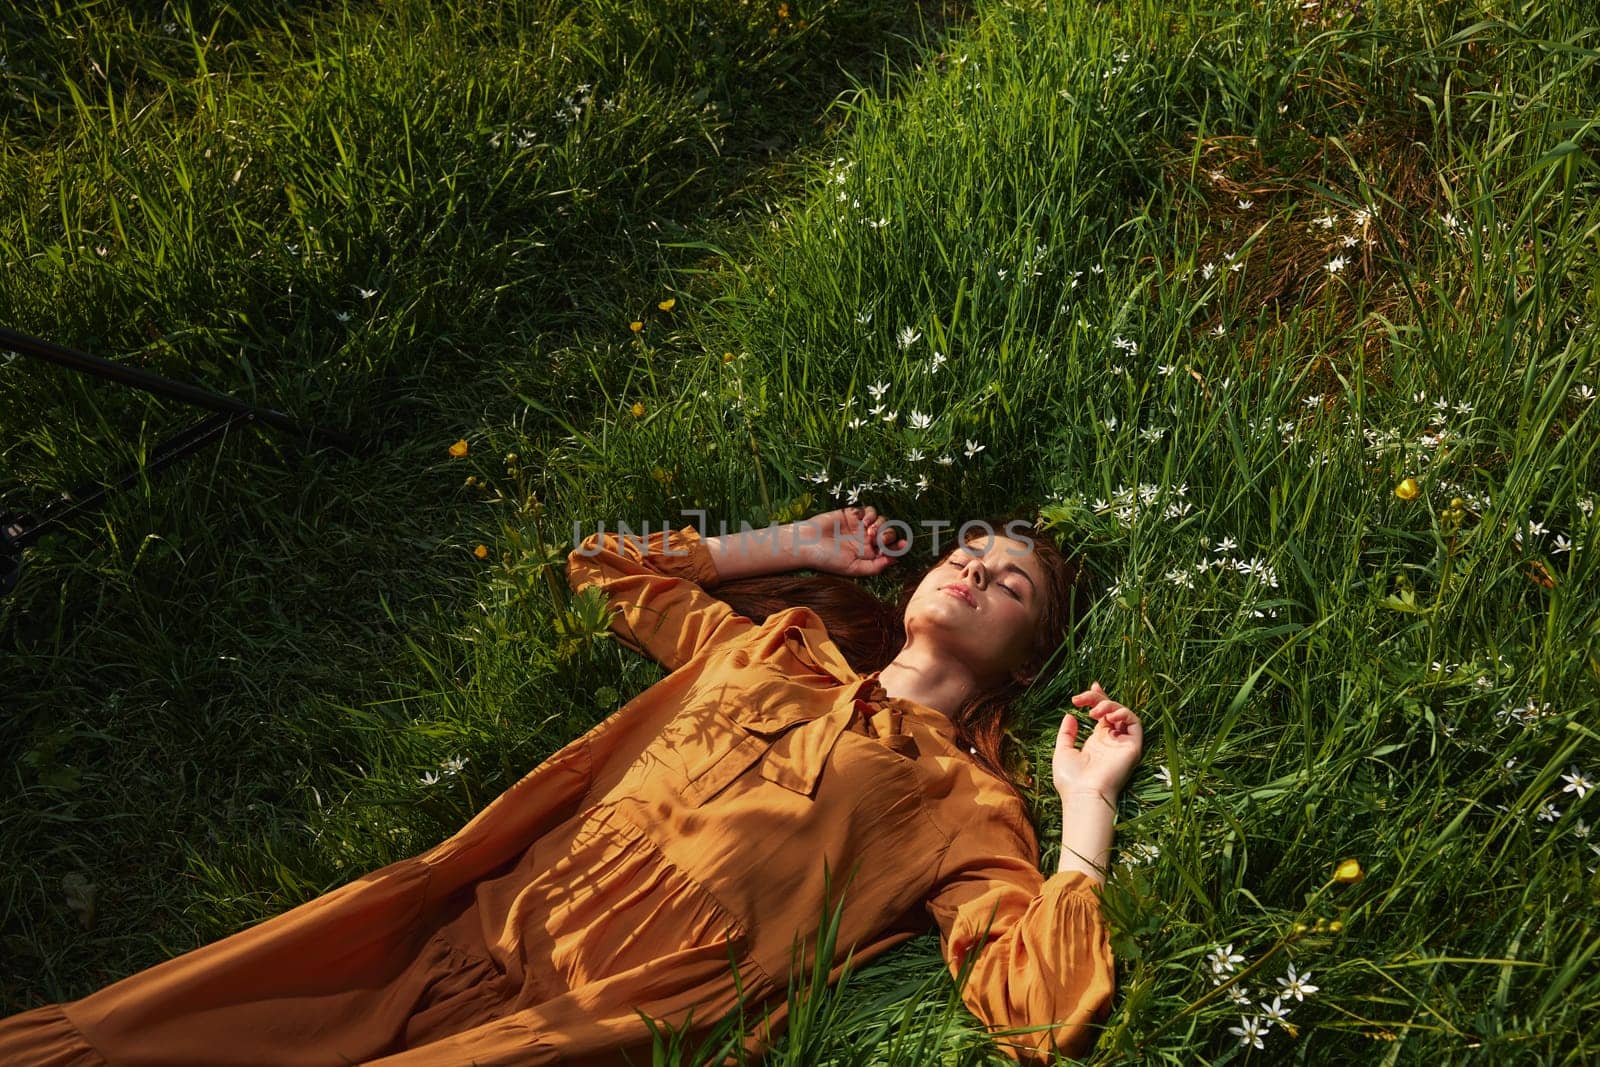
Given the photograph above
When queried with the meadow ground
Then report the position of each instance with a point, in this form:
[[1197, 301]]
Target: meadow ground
[[1283, 313]]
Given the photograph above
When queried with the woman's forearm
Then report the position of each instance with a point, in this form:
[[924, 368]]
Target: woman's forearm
[[763, 550], [1087, 820]]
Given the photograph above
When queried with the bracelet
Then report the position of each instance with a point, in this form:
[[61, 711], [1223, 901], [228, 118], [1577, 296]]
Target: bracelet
[[1110, 802]]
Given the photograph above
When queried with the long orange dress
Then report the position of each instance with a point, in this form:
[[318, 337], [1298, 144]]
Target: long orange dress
[[665, 863]]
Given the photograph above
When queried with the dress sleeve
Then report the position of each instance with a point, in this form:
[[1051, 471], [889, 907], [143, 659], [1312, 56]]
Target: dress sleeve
[[1046, 956], [656, 585]]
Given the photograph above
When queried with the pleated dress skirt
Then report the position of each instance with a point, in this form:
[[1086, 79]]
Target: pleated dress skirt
[[543, 962]]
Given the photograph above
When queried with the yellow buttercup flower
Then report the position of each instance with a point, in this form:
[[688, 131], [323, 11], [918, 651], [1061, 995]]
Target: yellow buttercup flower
[[668, 304], [459, 449], [1408, 489], [727, 357], [635, 325], [482, 552], [1348, 872], [783, 11], [638, 410]]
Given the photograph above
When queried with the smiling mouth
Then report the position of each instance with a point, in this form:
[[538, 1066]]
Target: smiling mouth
[[960, 594]]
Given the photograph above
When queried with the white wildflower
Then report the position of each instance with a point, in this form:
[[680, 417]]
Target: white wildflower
[[1223, 961], [1141, 852], [1297, 986], [1274, 1012], [1250, 1031]]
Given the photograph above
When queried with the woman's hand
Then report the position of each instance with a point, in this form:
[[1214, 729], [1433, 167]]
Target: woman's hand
[[1109, 753], [845, 541]]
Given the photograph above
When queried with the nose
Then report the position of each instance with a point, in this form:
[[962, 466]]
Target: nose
[[980, 574]]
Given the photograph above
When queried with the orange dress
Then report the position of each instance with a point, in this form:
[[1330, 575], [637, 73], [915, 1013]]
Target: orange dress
[[669, 862]]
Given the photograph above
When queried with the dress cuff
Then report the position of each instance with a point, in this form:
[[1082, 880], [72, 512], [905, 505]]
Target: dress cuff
[[45, 1037], [687, 556], [1073, 884]]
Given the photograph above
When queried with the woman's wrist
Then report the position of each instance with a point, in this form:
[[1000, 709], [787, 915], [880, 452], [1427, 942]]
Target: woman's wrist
[[756, 552], [1087, 827]]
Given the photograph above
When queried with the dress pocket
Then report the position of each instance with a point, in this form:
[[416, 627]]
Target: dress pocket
[[714, 774], [750, 730]]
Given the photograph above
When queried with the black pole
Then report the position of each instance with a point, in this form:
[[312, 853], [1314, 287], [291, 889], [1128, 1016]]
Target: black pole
[[19, 531], [155, 383]]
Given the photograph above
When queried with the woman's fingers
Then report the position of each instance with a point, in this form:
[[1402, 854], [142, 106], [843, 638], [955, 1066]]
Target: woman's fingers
[[1091, 695], [1125, 723], [1068, 732]]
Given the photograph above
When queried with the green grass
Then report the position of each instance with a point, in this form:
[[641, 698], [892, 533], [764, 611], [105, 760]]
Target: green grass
[[1115, 223]]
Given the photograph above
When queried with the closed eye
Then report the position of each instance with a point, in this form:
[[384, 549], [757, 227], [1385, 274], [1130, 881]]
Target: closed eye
[[1014, 594]]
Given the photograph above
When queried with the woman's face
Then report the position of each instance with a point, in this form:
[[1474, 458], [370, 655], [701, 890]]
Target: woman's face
[[982, 604]]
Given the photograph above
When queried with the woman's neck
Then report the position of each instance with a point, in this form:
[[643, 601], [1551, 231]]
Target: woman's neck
[[933, 681]]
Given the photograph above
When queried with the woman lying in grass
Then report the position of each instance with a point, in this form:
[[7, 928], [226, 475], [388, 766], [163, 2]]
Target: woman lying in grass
[[816, 753]]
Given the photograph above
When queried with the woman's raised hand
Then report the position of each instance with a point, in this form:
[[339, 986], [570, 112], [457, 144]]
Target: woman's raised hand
[[1108, 754], [845, 541]]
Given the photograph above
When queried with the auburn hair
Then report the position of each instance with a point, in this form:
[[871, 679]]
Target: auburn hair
[[870, 631]]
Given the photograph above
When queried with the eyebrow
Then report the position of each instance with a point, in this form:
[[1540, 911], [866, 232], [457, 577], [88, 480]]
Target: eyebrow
[[1006, 567]]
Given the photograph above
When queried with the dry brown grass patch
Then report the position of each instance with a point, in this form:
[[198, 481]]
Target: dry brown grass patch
[[1297, 192]]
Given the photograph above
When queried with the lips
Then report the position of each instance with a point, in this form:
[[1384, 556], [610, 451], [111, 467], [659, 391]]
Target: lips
[[963, 592]]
